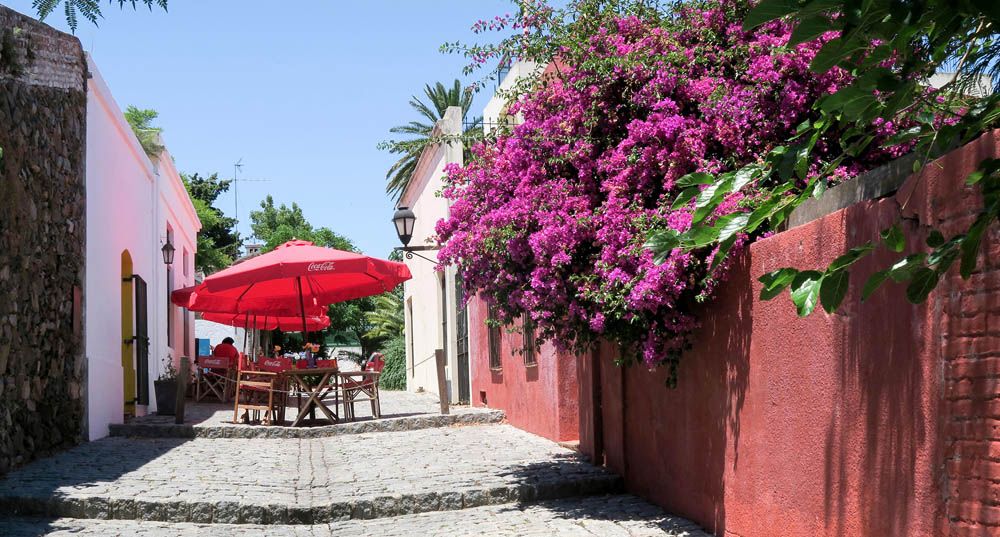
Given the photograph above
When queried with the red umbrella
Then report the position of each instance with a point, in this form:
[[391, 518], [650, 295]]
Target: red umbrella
[[264, 322], [298, 272], [199, 298]]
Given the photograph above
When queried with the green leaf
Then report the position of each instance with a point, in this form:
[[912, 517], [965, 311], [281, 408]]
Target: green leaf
[[833, 289], [694, 179], [873, 283], [762, 213], [831, 54], [903, 269], [850, 257], [685, 196], [970, 246], [767, 11], [710, 197], [810, 28], [805, 291], [986, 167], [924, 281], [721, 254], [661, 243], [744, 175], [819, 187], [894, 239], [733, 224], [935, 238], [775, 282]]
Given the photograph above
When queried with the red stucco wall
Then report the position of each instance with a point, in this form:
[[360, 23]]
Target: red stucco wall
[[878, 420], [541, 399]]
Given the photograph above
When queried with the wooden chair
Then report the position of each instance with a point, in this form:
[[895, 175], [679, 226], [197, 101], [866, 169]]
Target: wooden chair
[[365, 389], [219, 379], [261, 391]]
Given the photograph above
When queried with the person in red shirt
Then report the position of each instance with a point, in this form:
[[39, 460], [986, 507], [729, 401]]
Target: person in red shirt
[[226, 349]]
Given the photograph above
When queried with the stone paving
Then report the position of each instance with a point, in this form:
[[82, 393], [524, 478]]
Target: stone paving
[[300, 480], [620, 515], [490, 479], [400, 411]]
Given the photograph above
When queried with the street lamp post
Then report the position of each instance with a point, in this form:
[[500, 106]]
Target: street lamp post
[[404, 219]]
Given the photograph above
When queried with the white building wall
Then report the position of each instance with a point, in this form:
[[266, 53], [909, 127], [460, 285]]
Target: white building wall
[[422, 295], [128, 203], [497, 105]]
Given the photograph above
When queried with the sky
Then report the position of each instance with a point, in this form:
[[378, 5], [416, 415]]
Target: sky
[[302, 92]]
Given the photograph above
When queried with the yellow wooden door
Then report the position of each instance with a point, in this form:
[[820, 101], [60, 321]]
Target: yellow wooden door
[[128, 342]]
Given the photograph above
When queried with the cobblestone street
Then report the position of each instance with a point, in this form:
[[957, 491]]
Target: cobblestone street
[[487, 479]]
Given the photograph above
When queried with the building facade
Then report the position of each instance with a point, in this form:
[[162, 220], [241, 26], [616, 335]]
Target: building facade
[[434, 310], [135, 206]]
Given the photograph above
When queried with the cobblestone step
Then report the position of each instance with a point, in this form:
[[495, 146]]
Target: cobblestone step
[[409, 423], [597, 515], [300, 481], [230, 512]]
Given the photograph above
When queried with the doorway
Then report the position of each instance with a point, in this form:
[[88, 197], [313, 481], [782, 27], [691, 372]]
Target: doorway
[[128, 335], [462, 342]]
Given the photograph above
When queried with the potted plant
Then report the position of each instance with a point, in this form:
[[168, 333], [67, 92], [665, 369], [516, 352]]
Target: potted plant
[[166, 388]]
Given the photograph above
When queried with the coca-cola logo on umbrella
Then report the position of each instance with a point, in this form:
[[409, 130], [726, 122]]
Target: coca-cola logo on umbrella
[[320, 267]]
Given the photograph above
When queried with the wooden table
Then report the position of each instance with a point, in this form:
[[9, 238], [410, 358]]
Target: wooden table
[[316, 392]]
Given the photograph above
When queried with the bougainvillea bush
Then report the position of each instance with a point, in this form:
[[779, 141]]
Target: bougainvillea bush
[[549, 218]]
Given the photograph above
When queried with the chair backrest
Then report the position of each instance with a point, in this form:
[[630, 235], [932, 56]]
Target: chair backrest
[[274, 365], [375, 364], [214, 362], [326, 363]]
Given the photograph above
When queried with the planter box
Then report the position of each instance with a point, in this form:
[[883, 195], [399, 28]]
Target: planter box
[[166, 397]]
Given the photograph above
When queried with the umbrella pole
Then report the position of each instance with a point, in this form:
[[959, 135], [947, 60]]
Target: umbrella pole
[[302, 308]]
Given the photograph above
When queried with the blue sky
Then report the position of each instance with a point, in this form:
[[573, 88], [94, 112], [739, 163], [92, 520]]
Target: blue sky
[[302, 94]]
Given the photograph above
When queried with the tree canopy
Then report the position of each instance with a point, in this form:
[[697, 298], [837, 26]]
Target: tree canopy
[[218, 241], [88, 9]]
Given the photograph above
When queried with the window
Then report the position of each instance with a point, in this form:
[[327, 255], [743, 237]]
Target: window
[[493, 335], [185, 260], [528, 334]]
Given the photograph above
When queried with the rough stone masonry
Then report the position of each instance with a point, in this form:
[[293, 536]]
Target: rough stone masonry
[[42, 209]]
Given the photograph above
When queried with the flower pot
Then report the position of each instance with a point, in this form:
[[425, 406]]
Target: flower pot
[[166, 396]]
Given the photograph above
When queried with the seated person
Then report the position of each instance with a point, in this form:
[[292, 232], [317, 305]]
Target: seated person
[[226, 349]]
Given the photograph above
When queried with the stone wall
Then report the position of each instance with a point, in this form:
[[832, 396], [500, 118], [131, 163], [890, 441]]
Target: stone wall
[[42, 202]]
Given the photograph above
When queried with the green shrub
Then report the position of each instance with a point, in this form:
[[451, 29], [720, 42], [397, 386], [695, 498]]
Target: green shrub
[[394, 374]]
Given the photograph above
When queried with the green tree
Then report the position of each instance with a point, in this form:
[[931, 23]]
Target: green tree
[[419, 133], [88, 9], [386, 319], [277, 224], [218, 240], [141, 121], [394, 373]]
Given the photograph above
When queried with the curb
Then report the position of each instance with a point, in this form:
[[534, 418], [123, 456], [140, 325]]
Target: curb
[[410, 423], [369, 508]]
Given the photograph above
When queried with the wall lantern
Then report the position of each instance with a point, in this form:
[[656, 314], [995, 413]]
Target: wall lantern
[[168, 253], [404, 219]]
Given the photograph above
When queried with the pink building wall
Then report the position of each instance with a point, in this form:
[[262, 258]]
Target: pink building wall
[[541, 398], [878, 420], [882, 419]]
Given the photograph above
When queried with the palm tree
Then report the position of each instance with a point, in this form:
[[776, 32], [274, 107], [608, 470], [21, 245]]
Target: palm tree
[[386, 319], [419, 132]]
